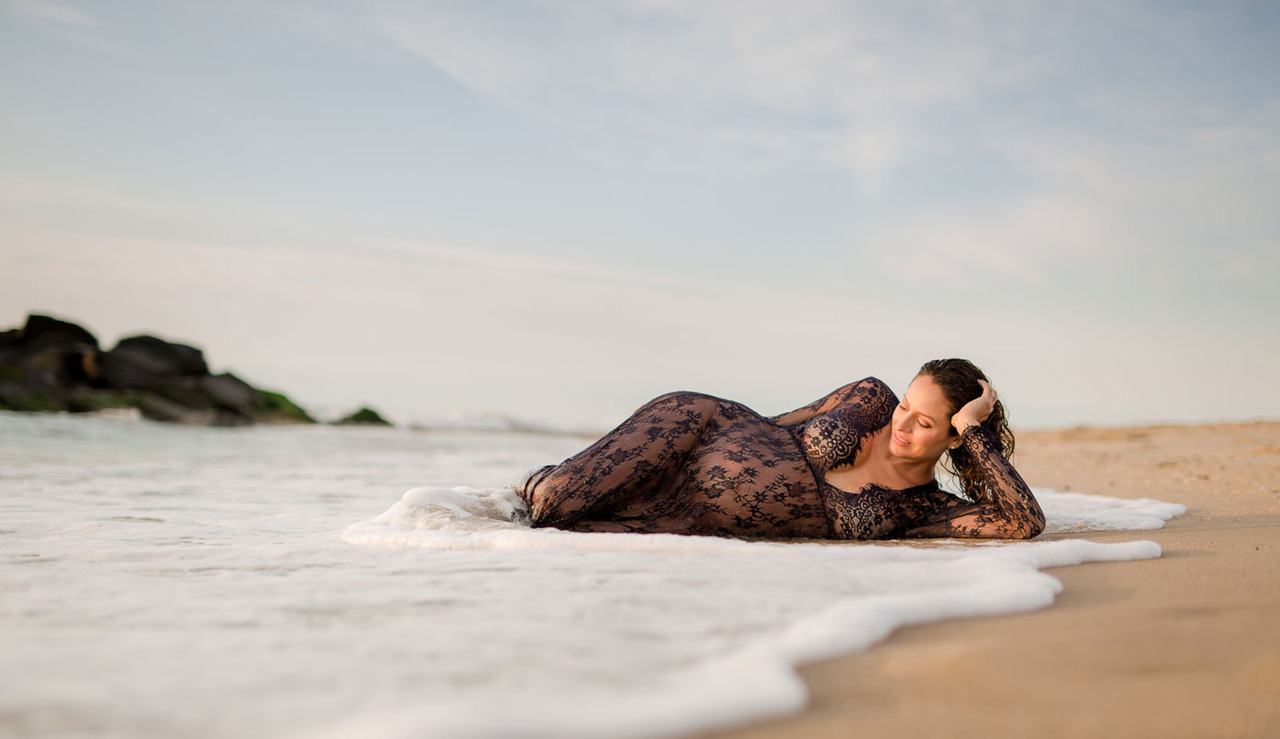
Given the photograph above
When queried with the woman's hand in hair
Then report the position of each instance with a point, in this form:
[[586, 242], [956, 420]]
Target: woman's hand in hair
[[977, 410]]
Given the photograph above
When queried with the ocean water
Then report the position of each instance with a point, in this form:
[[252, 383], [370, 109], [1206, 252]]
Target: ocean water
[[161, 581]]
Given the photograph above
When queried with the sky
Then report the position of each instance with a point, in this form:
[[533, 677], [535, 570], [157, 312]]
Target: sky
[[554, 211]]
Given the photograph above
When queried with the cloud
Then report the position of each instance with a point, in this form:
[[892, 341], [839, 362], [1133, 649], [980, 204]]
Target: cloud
[[69, 23], [866, 88], [1175, 212], [48, 11], [855, 85]]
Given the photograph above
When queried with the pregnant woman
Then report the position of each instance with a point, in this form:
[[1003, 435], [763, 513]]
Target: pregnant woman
[[856, 464]]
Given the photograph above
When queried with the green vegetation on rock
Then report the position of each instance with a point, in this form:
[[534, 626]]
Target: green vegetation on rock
[[88, 400], [364, 417], [12, 373], [31, 400], [276, 405]]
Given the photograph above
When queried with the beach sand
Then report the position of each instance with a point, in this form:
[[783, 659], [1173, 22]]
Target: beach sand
[[1184, 646]]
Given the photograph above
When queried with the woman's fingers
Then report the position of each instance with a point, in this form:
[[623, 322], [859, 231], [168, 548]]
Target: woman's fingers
[[979, 409], [989, 391], [985, 403]]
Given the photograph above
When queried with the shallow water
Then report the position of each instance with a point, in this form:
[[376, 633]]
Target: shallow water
[[265, 582]]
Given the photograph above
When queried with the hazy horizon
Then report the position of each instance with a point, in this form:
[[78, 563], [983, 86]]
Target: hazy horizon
[[556, 210]]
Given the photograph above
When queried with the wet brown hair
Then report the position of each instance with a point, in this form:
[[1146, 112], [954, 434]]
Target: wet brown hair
[[958, 379]]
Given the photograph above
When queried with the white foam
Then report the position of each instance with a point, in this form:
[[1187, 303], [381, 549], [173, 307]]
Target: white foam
[[871, 590], [464, 518], [1078, 512], [494, 519], [836, 599]]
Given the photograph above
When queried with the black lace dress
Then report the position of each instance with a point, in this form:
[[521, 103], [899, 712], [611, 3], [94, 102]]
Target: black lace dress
[[690, 463]]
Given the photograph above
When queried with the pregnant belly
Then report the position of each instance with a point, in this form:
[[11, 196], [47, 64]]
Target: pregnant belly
[[751, 480]]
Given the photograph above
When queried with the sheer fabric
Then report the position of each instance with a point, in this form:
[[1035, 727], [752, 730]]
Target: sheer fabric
[[691, 463]]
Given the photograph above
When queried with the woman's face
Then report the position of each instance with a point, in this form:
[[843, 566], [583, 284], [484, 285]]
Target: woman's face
[[921, 427]]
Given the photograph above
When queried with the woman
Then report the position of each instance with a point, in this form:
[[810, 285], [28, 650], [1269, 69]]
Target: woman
[[856, 464]]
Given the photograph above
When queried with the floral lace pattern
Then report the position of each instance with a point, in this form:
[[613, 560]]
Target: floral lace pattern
[[842, 421], [691, 463]]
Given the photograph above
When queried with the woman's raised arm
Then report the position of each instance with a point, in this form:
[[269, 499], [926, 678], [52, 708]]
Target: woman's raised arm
[[1011, 512], [1008, 510]]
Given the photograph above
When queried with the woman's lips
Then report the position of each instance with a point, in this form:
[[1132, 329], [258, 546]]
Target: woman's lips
[[899, 440]]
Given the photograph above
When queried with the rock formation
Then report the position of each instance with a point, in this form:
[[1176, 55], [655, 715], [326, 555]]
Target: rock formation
[[54, 365]]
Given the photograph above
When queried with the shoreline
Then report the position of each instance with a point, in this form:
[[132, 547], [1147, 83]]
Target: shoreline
[[1183, 646]]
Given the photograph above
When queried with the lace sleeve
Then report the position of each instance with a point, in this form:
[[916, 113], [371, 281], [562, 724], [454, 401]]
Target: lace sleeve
[[867, 392], [1011, 513]]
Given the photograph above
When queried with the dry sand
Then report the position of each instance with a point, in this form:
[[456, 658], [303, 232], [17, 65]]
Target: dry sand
[[1184, 646]]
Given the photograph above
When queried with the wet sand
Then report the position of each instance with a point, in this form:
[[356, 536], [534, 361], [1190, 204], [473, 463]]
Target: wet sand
[[1184, 646]]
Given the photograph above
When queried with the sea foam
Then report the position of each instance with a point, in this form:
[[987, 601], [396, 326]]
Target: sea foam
[[496, 519], [737, 616]]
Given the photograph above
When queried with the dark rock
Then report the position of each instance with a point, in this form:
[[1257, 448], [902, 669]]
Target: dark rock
[[31, 397], [48, 330], [58, 365], [165, 357], [159, 408], [12, 373], [230, 392], [224, 417], [364, 417], [141, 361], [120, 372], [49, 351], [33, 379], [185, 391], [45, 365], [83, 367]]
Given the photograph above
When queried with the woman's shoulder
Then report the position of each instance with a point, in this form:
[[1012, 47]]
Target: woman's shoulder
[[861, 394], [866, 405], [875, 385], [873, 391]]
